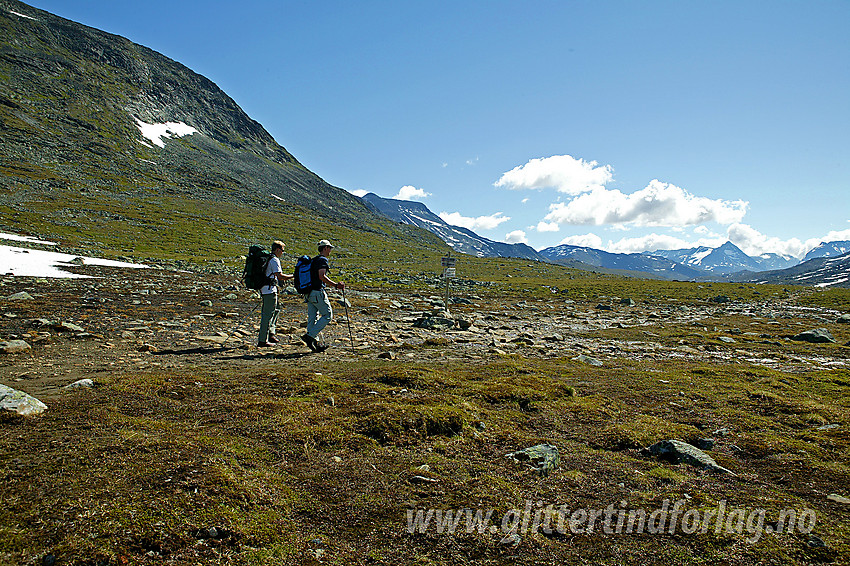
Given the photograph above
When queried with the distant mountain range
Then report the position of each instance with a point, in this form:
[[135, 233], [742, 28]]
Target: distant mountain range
[[726, 259], [655, 266], [460, 239], [726, 262]]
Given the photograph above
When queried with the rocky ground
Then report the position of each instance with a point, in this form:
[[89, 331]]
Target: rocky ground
[[126, 320], [190, 442]]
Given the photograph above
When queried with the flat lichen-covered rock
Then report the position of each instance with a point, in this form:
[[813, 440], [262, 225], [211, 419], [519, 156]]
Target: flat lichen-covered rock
[[677, 452], [543, 458], [13, 346], [19, 402]]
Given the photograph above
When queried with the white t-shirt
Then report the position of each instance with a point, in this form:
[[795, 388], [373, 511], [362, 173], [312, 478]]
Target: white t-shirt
[[272, 267]]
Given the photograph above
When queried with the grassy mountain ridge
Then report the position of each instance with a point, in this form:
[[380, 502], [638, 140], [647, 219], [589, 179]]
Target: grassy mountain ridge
[[75, 167]]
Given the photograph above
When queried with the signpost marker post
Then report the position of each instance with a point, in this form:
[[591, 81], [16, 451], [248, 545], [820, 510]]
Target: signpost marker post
[[448, 265]]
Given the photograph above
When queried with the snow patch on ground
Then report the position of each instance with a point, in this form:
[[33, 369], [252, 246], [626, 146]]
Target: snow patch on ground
[[28, 239], [22, 262], [14, 13], [156, 132]]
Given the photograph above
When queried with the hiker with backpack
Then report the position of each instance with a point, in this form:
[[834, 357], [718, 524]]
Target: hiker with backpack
[[319, 312], [272, 274]]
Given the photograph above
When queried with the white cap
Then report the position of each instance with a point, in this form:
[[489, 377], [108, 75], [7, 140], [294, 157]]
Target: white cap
[[325, 244]]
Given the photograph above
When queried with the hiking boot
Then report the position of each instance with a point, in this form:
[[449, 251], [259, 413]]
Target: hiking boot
[[310, 341], [264, 344], [273, 339]]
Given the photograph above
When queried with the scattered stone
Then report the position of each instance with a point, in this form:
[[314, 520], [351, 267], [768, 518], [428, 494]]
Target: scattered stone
[[68, 327], [230, 297], [678, 452], [815, 542], [422, 480], [838, 498], [13, 347], [19, 402], [543, 458], [844, 319], [722, 432], [828, 427], [215, 339], [704, 443], [815, 336], [727, 339], [601, 307], [587, 360], [206, 303], [627, 302], [434, 323], [511, 540], [80, 384], [386, 356], [22, 296], [720, 299]]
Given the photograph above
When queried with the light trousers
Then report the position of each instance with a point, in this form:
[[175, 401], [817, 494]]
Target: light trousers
[[319, 312]]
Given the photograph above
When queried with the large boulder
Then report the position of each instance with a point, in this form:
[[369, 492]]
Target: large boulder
[[22, 296], [19, 402], [679, 452], [815, 336]]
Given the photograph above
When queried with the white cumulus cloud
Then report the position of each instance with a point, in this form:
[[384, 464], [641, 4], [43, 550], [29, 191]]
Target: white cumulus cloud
[[653, 242], [516, 237], [476, 223], [832, 236], [659, 204], [562, 172], [584, 240], [547, 227], [409, 192], [360, 192], [754, 243]]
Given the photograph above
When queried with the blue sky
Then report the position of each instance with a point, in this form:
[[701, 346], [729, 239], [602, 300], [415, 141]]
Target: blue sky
[[622, 125]]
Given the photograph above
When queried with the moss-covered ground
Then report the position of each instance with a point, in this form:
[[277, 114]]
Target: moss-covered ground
[[290, 459]]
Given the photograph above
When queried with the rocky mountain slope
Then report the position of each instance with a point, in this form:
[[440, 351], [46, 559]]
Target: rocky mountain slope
[[822, 271], [76, 165], [460, 239], [829, 249]]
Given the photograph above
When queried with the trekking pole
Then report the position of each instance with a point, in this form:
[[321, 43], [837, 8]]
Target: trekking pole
[[245, 321], [347, 318]]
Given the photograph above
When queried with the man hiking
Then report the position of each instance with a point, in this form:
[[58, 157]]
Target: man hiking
[[319, 312], [268, 316]]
